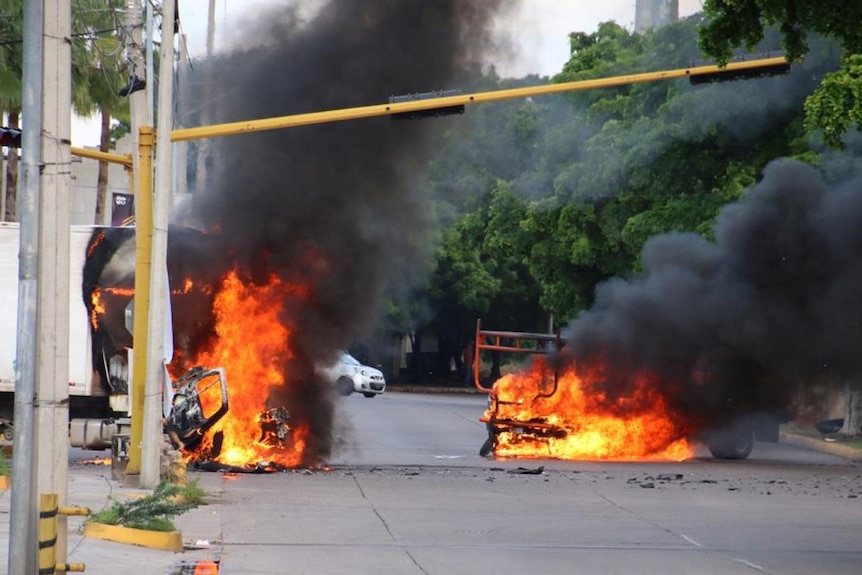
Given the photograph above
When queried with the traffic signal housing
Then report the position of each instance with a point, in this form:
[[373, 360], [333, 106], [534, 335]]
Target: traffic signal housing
[[746, 67], [428, 112], [10, 137]]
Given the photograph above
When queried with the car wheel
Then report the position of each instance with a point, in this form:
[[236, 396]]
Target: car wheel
[[369, 394], [344, 386]]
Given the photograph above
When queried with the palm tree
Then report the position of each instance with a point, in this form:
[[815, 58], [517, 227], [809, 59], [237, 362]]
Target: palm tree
[[11, 69], [97, 75]]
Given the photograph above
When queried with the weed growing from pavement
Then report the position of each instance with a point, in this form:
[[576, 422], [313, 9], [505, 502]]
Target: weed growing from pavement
[[5, 466]]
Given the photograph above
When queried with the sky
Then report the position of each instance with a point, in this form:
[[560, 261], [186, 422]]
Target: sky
[[540, 29]]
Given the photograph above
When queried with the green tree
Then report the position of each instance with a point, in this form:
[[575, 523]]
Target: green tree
[[98, 73], [97, 63], [11, 69], [834, 107]]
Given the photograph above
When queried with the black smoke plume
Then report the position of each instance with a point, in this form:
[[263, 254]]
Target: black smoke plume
[[737, 325], [335, 202]]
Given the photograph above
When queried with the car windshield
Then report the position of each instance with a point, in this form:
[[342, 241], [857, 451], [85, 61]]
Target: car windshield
[[349, 359]]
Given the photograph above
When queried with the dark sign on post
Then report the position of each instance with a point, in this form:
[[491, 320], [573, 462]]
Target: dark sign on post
[[123, 212]]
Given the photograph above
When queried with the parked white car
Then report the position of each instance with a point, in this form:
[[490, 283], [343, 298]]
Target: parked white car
[[349, 375]]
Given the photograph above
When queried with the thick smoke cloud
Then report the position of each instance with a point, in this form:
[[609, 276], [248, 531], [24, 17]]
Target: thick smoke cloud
[[739, 323], [336, 202]]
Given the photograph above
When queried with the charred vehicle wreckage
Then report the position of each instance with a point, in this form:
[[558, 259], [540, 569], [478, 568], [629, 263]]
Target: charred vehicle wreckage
[[195, 382], [100, 345], [547, 408]]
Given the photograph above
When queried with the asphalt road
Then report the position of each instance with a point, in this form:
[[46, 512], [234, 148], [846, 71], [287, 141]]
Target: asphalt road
[[408, 494], [415, 458]]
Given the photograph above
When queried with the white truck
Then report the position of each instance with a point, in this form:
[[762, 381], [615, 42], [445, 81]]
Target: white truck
[[99, 377]]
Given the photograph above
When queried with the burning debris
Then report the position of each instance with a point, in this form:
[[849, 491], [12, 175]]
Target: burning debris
[[275, 427], [713, 338], [551, 411]]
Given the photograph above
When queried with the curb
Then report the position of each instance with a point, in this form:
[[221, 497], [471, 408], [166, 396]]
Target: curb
[[162, 540], [816, 444]]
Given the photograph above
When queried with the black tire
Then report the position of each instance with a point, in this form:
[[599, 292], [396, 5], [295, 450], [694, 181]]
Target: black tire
[[344, 386], [486, 448], [735, 443], [369, 394]]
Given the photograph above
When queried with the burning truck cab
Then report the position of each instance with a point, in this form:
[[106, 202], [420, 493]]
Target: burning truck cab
[[550, 407], [101, 286]]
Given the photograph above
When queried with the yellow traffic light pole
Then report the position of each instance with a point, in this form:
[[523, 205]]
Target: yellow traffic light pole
[[143, 269], [234, 128]]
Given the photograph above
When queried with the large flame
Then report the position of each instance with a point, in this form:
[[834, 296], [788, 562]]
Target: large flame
[[252, 345], [543, 415]]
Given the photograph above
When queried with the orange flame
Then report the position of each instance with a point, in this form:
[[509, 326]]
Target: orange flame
[[541, 417], [252, 345], [99, 306]]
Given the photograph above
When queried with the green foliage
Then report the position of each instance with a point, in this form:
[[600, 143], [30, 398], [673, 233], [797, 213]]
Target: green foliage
[[743, 22], [543, 199], [5, 465], [834, 107], [155, 511]]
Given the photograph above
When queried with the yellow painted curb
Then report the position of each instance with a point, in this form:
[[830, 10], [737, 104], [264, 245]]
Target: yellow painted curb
[[5, 482], [164, 540]]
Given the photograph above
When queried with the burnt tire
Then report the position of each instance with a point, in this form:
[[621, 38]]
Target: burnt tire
[[735, 443], [344, 386], [487, 448]]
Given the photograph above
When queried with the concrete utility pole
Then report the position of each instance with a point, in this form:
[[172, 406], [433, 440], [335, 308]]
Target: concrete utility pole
[[159, 325], [138, 113], [22, 539], [206, 109], [52, 351]]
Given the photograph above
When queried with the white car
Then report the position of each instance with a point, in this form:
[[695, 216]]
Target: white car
[[349, 375]]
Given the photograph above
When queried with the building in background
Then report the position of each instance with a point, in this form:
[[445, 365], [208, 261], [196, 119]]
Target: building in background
[[655, 14]]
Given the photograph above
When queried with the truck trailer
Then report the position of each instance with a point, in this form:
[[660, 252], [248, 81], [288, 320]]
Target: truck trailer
[[100, 344]]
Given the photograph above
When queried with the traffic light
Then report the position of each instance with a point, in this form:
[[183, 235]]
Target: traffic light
[[743, 67], [10, 137], [428, 112]]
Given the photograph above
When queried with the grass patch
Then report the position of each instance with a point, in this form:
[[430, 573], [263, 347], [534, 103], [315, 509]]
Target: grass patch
[[5, 464], [853, 441], [155, 511]]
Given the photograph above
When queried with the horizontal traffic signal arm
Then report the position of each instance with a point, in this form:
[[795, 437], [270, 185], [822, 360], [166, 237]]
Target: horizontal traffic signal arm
[[122, 159], [732, 70]]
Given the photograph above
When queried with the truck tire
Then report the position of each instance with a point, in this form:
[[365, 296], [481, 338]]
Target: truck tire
[[733, 443]]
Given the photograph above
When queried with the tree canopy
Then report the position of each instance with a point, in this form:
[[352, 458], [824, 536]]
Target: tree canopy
[[542, 199], [835, 106]]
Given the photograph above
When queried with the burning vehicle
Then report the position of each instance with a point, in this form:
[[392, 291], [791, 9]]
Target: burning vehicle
[[100, 346], [554, 408], [223, 316]]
